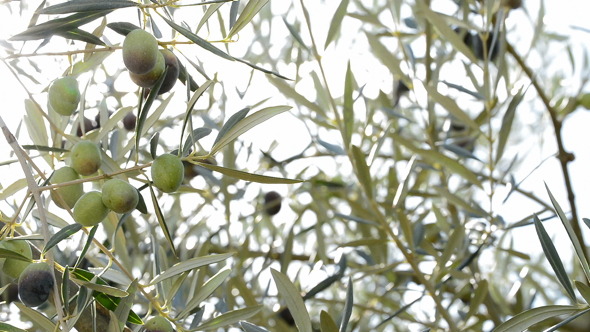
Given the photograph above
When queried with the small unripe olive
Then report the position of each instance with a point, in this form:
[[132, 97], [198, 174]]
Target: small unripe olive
[[64, 95], [14, 267], [157, 324], [119, 196], [167, 172], [173, 71], [89, 209], [150, 78], [272, 203], [85, 157], [140, 51], [69, 194], [35, 284]]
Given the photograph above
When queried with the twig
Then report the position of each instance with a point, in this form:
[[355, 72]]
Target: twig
[[34, 189], [563, 156]]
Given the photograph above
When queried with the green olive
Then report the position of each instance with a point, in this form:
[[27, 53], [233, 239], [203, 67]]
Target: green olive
[[167, 172], [13, 267], [68, 194], [119, 196], [140, 51], [89, 209], [64, 95], [85, 157], [157, 324]]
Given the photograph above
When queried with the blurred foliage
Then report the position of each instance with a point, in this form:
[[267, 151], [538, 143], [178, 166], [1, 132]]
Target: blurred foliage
[[413, 132]]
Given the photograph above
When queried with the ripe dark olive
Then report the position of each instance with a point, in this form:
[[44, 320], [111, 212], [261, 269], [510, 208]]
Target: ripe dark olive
[[167, 172], [14, 267], [140, 51], [157, 324], [85, 157], [129, 121], [87, 127], [64, 95], [119, 196], [69, 194], [97, 118], [89, 209], [171, 62], [272, 203], [35, 284]]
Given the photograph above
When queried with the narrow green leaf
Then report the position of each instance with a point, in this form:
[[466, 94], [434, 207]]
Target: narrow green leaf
[[13, 188], [195, 136], [249, 327], [143, 112], [79, 34], [122, 28], [204, 291], [336, 22], [452, 107], [292, 297], [478, 297], [63, 234], [456, 240], [154, 144], [43, 148], [109, 302], [289, 91], [295, 34], [246, 124], [52, 27], [105, 289], [188, 265], [553, 258], [363, 242], [185, 78], [86, 245], [191, 104], [362, 171], [584, 290], [572, 235], [210, 11], [507, 124], [348, 110], [327, 323], [247, 176], [444, 29], [199, 41], [124, 307], [252, 8], [231, 122], [266, 71], [434, 157], [162, 221], [347, 306], [65, 288], [230, 317], [9, 328], [36, 317], [5, 253], [527, 318], [77, 6], [567, 320]]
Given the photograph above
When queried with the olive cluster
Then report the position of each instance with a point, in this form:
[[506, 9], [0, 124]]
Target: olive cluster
[[146, 64], [92, 207]]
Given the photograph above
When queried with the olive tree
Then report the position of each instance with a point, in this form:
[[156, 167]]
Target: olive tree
[[288, 165]]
